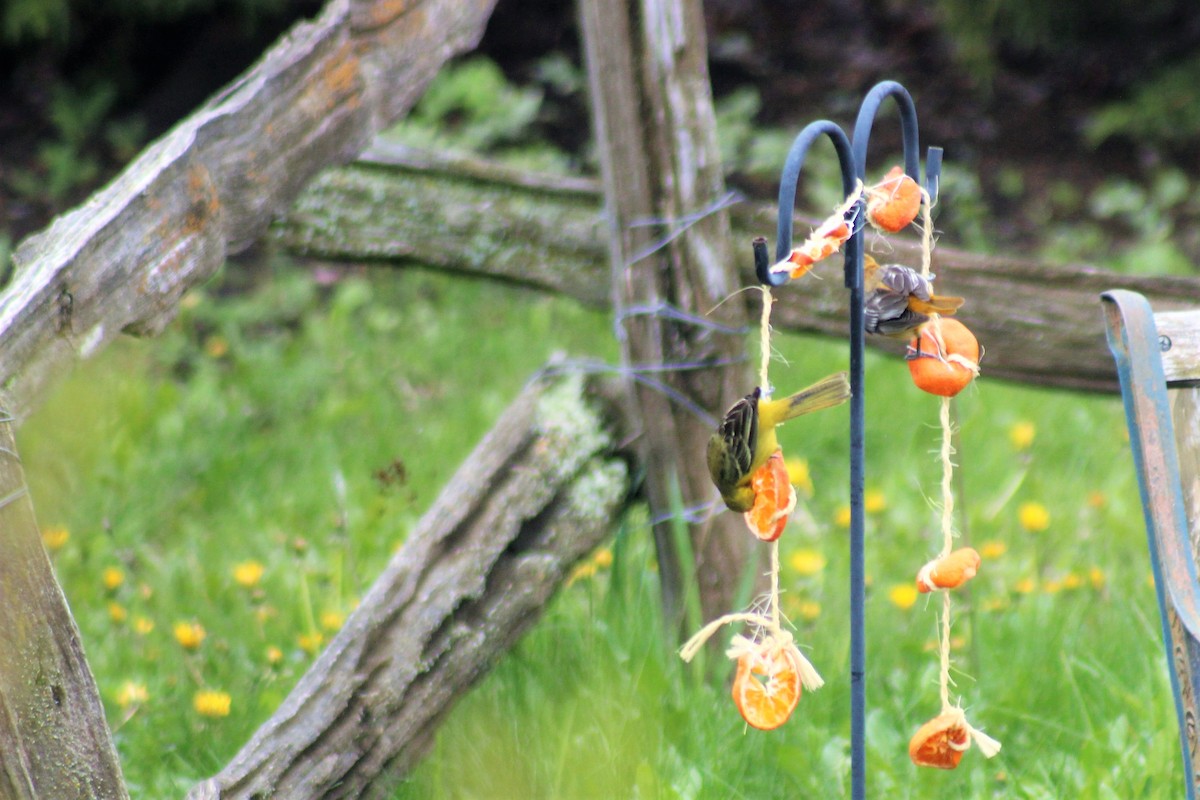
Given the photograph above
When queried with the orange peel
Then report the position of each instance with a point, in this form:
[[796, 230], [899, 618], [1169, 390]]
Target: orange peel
[[943, 357], [941, 742], [894, 202], [949, 571], [771, 674]]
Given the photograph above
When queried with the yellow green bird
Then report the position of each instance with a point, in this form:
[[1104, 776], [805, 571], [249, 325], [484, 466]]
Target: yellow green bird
[[746, 437]]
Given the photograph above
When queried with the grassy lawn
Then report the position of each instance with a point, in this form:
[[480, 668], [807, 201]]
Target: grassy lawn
[[217, 500]]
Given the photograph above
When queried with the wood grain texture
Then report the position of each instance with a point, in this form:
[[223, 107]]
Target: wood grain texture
[[655, 130], [1039, 323], [54, 741], [209, 187], [538, 493]]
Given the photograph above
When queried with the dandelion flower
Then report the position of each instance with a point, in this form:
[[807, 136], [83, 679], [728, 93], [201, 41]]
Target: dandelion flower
[[1097, 578], [274, 655], [1021, 434], [142, 625], [903, 595], [799, 475], [1097, 499], [211, 703], [841, 517], [332, 620], [190, 635], [1025, 586], [806, 562], [808, 610], [1072, 581], [582, 571], [248, 573], [993, 549], [1033, 517], [603, 558], [310, 642], [54, 538], [117, 612], [132, 693], [874, 501], [113, 577]]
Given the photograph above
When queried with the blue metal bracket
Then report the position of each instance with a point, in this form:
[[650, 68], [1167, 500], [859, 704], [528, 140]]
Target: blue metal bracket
[[852, 158], [1133, 339]]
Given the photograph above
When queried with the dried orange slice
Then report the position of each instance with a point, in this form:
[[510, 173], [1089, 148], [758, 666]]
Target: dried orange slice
[[894, 202], [767, 686], [943, 358], [823, 242], [942, 741], [774, 499], [949, 571]]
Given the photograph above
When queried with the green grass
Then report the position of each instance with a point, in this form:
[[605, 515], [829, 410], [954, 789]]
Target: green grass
[[306, 427]]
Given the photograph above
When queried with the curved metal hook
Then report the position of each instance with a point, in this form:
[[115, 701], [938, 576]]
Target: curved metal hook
[[787, 192]]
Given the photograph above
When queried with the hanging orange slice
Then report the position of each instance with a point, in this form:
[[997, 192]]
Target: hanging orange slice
[[941, 742], [823, 242], [894, 202], [944, 357], [767, 686], [949, 571], [774, 499]]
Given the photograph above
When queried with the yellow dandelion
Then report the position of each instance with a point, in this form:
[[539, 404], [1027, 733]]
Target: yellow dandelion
[[1071, 581], [903, 595], [274, 655], [582, 571], [798, 475], [310, 642], [247, 573], [216, 346], [264, 613], [1150, 579], [1097, 499], [142, 625], [332, 620], [55, 538], [995, 604], [1097, 578], [603, 558], [1025, 586], [212, 703], [1053, 586], [808, 610], [132, 693], [993, 549], [874, 501], [117, 612], [1033, 517], [190, 635], [1021, 434], [841, 517], [113, 577], [806, 562]]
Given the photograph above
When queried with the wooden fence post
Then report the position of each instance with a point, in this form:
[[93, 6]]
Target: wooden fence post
[[54, 740], [656, 132]]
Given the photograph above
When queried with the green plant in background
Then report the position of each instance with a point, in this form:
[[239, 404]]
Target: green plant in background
[[1161, 110], [471, 106]]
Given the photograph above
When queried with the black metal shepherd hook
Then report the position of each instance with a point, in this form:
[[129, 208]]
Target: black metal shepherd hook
[[852, 158]]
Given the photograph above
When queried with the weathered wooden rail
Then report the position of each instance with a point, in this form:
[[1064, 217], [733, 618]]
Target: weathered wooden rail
[[1038, 322]]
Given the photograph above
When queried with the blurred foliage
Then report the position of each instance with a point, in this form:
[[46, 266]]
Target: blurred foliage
[[1164, 109], [56, 21], [982, 29]]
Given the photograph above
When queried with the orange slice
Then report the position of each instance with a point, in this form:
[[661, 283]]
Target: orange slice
[[941, 742], [774, 499], [943, 358], [767, 686], [894, 202], [949, 571]]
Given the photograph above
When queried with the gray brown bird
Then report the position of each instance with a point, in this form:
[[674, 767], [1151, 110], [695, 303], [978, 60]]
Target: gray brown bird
[[899, 300]]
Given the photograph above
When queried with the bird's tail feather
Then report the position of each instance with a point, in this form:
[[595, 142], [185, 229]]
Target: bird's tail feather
[[828, 392]]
